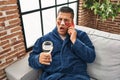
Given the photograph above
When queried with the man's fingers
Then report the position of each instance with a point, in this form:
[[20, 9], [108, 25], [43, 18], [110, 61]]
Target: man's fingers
[[46, 63], [45, 58]]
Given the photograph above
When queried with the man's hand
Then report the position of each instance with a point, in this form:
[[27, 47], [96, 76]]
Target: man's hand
[[45, 58], [72, 32]]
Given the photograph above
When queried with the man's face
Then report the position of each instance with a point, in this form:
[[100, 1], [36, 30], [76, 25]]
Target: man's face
[[63, 22]]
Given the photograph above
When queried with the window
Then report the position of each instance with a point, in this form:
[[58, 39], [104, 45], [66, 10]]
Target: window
[[38, 17]]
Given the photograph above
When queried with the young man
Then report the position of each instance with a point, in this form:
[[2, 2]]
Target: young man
[[72, 49]]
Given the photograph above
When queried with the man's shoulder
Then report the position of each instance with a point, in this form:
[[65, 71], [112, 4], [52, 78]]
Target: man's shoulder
[[81, 32]]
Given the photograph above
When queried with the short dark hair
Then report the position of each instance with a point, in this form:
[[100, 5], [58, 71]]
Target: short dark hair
[[66, 9]]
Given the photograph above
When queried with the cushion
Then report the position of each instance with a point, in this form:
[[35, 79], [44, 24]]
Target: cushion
[[107, 46], [20, 70]]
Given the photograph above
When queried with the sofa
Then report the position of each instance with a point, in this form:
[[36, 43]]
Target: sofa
[[107, 46], [105, 67]]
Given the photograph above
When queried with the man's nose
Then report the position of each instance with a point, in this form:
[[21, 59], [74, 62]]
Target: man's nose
[[62, 22]]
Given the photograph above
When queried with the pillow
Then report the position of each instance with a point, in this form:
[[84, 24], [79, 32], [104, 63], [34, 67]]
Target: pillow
[[107, 46]]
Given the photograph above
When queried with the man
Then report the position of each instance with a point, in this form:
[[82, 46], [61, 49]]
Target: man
[[72, 49]]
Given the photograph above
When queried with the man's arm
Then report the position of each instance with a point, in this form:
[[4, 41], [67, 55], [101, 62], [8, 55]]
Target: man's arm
[[84, 48], [34, 55]]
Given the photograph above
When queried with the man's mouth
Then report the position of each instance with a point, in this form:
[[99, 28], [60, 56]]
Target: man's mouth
[[62, 28]]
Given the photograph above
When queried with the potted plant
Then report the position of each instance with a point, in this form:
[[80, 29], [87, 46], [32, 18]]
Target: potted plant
[[103, 9]]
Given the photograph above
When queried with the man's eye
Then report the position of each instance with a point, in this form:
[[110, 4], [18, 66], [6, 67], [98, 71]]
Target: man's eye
[[60, 19], [66, 20]]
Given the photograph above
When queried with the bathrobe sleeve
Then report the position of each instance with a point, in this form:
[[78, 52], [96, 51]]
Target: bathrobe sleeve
[[84, 48], [34, 55]]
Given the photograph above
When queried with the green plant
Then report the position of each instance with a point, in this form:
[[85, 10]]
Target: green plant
[[104, 9]]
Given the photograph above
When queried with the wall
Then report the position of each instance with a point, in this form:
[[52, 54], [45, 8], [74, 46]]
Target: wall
[[11, 39], [87, 18]]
